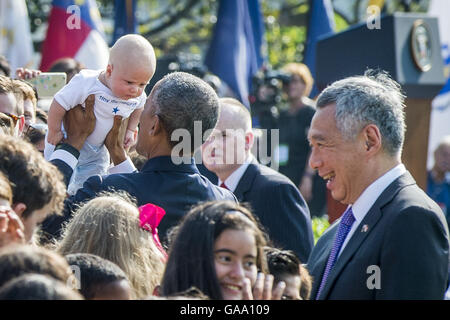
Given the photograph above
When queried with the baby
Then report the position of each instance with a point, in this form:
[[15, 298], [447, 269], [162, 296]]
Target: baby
[[119, 90]]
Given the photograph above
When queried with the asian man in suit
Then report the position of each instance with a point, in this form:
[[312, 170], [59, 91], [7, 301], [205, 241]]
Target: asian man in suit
[[274, 199], [392, 242]]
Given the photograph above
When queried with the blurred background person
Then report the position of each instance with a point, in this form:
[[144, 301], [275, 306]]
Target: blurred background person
[[438, 180], [69, 66], [294, 150], [29, 101]]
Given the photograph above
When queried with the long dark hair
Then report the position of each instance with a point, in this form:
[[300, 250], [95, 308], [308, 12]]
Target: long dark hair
[[191, 256]]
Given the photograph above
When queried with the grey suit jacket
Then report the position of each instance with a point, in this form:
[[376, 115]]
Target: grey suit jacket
[[400, 250]]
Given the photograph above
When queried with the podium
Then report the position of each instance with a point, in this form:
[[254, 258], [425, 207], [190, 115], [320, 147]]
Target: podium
[[408, 47]]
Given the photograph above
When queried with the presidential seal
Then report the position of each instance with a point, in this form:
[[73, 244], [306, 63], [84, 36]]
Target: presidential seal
[[421, 45]]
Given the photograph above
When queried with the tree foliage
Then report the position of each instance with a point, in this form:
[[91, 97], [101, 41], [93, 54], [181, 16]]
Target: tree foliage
[[186, 26]]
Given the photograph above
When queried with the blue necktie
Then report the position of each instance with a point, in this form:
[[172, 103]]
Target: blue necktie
[[344, 227]]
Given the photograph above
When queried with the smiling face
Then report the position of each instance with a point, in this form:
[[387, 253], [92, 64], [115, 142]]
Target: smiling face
[[235, 256], [229, 144], [339, 161]]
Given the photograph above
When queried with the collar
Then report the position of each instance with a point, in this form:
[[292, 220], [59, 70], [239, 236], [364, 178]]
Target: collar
[[366, 200], [167, 163], [233, 180]]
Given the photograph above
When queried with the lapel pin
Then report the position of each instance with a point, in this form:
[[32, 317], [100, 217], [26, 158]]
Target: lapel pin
[[365, 228]]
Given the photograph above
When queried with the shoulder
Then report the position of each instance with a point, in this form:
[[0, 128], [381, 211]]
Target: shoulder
[[118, 181], [273, 184], [267, 175], [411, 207], [217, 193], [86, 76]]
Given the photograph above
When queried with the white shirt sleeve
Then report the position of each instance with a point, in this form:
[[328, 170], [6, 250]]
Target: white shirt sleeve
[[126, 166], [72, 93]]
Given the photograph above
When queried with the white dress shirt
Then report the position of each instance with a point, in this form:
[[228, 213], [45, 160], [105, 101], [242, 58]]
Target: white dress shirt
[[366, 200], [233, 180]]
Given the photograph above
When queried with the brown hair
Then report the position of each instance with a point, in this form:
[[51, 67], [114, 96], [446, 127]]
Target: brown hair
[[16, 260], [301, 70], [27, 91], [5, 188], [35, 181]]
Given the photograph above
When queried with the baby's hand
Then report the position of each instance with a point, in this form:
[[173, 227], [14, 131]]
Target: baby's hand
[[54, 137], [129, 139]]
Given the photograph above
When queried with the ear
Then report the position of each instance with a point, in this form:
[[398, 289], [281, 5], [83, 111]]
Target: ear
[[372, 139], [249, 140], [19, 209], [155, 125], [21, 123], [109, 69]]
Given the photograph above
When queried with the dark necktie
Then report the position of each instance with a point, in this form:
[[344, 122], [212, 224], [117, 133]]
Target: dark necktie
[[344, 227]]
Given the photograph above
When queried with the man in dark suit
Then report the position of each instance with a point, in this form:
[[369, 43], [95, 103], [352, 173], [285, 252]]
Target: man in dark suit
[[275, 200], [169, 178], [392, 241]]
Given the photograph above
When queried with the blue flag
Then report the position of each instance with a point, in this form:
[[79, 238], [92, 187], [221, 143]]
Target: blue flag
[[124, 18], [234, 54], [321, 23]]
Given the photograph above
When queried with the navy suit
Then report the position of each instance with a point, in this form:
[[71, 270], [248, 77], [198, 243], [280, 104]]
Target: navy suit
[[279, 206], [176, 188], [404, 235]]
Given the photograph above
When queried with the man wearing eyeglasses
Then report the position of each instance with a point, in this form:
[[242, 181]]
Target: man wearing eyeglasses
[[10, 107]]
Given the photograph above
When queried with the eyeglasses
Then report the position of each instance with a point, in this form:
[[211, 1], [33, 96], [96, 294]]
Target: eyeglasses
[[12, 116]]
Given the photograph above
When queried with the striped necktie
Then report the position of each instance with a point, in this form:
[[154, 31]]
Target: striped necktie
[[344, 227]]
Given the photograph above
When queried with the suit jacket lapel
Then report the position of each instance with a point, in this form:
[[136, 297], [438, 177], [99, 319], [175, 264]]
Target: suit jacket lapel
[[370, 220], [246, 181]]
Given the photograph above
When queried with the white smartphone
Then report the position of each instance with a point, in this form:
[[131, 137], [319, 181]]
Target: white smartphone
[[48, 84]]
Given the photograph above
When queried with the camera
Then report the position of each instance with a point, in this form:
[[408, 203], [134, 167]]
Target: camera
[[267, 95]]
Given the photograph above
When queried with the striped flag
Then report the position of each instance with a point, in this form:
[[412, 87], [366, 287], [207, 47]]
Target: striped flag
[[75, 30], [235, 54]]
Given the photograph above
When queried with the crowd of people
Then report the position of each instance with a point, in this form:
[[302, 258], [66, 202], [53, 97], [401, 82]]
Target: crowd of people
[[202, 218]]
